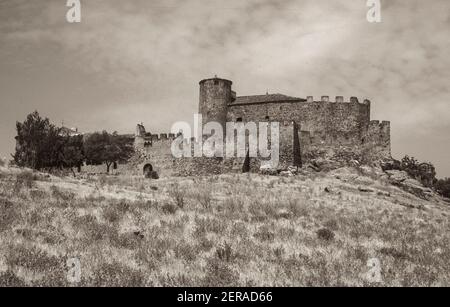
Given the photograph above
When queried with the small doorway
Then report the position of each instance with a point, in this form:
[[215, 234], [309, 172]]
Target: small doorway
[[148, 169]]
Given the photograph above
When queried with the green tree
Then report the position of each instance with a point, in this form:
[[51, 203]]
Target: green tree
[[102, 147]]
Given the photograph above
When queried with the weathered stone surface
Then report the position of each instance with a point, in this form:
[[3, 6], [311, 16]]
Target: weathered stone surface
[[404, 181]]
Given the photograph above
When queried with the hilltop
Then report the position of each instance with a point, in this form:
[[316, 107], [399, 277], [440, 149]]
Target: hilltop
[[349, 226]]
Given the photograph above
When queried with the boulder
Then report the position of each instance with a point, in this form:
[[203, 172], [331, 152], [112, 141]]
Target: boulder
[[286, 174], [408, 184], [268, 171]]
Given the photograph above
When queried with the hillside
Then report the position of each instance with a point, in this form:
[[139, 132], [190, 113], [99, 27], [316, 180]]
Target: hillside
[[346, 227]]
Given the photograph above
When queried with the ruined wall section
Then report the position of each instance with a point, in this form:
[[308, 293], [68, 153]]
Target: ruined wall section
[[378, 139]]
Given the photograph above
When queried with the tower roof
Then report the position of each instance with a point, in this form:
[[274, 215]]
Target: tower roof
[[215, 78]]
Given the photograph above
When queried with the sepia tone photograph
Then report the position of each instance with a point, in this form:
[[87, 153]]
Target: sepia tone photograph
[[202, 144]]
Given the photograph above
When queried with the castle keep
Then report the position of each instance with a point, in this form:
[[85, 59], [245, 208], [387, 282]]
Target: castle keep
[[309, 129]]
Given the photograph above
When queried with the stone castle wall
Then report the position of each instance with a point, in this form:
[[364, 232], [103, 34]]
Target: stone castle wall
[[327, 122], [307, 127]]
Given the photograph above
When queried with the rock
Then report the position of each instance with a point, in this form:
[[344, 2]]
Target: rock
[[293, 169], [354, 163], [390, 165], [365, 190], [313, 167], [268, 171], [396, 176], [405, 182], [381, 193], [323, 164], [328, 190], [286, 174], [283, 214]]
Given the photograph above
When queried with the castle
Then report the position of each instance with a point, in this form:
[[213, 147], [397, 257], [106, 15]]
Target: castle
[[309, 129]]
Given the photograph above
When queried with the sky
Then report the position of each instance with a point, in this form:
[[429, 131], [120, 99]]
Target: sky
[[136, 61]]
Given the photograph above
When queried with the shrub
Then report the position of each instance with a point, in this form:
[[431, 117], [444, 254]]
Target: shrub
[[8, 214], [220, 274], [442, 186], [9, 279], [265, 234], [32, 258], [205, 225], [178, 194], [224, 252], [169, 208], [325, 234], [117, 275], [186, 251], [424, 172], [25, 179], [61, 195], [204, 197]]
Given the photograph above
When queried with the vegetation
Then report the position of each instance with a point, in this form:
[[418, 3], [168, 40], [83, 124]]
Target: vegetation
[[107, 148], [424, 172], [228, 230], [41, 145], [442, 186]]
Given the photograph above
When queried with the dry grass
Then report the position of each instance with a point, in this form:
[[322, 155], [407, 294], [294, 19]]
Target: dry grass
[[229, 230]]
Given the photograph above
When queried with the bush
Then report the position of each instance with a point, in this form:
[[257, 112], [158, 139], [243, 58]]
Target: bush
[[169, 209], [325, 234], [8, 214], [442, 186], [424, 172], [224, 252], [25, 179], [59, 195], [220, 274], [178, 194], [204, 197]]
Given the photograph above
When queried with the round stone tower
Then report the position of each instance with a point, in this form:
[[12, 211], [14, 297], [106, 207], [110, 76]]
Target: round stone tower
[[215, 96]]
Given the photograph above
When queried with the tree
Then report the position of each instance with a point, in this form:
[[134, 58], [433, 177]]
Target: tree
[[107, 148], [37, 142], [72, 153]]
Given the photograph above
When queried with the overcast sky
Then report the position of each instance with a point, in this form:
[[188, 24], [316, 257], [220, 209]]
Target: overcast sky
[[140, 61]]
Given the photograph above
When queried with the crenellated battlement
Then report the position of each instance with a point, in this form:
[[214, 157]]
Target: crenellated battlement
[[338, 99], [377, 124], [317, 123], [163, 137]]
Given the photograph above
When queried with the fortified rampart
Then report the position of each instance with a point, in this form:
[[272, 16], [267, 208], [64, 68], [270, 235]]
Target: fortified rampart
[[307, 128]]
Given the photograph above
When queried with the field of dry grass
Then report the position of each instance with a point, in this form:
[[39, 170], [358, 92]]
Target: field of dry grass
[[313, 229]]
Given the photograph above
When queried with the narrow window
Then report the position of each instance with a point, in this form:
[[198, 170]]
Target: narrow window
[[239, 119]]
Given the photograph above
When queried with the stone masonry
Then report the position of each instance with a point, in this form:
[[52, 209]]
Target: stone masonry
[[308, 128]]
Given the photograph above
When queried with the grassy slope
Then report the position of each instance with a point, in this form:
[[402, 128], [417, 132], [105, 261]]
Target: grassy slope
[[249, 230]]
